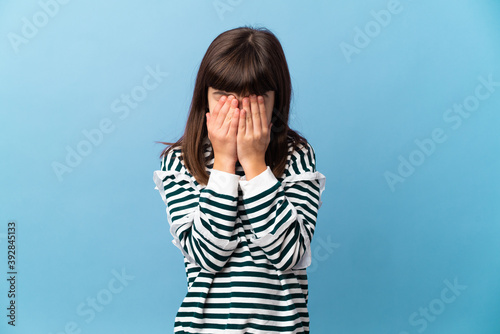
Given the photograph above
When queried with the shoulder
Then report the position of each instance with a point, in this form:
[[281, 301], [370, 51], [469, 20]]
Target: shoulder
[[301, 158], [172, 160]]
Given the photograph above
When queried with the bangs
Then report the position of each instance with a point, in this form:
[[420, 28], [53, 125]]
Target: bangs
[[242, 73]]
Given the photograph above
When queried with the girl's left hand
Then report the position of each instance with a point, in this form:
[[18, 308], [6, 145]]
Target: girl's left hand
[[254, 132]]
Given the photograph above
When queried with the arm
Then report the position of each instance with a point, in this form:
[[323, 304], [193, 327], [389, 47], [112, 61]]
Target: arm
[[201, 222], [283, 214]]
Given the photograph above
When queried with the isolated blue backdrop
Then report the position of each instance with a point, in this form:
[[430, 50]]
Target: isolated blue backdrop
[[400, 100]]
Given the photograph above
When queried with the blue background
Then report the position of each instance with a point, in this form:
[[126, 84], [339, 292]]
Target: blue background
[[384, 254]]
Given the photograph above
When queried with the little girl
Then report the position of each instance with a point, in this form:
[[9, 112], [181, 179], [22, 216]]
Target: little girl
[[242, 193]]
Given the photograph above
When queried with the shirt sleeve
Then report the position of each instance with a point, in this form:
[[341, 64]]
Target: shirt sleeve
[[283, 214], [201, 221]]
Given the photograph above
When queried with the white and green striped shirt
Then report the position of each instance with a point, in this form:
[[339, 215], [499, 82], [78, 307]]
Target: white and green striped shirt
[[246, 244]]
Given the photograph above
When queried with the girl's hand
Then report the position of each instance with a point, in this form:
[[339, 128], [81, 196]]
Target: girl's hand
[[254, 135], [222, 125]]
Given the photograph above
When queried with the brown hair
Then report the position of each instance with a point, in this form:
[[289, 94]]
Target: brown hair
[[243, 60]]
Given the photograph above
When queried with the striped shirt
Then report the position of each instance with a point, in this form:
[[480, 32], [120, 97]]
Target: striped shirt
[[246, 243]]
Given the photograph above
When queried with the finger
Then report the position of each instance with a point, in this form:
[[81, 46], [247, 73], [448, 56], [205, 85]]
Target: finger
[[256, 119], [229, 115], [209, 124], [248, 109], [241, 123], [218, 106], [262, 112], [255, 111], [221, 115], [234, 122], [248, 119]]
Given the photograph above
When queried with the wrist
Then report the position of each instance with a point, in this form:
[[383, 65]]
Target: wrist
[[227, 166], [254, 168]]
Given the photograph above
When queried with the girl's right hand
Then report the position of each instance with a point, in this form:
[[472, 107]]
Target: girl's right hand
[[222, 125]]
